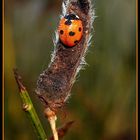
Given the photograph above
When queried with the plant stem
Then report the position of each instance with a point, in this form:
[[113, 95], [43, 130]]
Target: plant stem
[[51, 116], [29, 108], [52, 121]]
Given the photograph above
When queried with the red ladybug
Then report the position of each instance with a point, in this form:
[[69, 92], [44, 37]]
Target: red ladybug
[[70, 30]]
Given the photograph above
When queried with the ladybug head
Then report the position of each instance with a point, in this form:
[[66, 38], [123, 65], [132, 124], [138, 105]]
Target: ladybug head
[[71, 17]]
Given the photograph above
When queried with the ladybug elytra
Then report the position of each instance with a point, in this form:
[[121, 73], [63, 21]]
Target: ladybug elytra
[[70, 30]]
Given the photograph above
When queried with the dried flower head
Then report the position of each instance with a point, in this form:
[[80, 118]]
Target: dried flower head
[[55, 83]]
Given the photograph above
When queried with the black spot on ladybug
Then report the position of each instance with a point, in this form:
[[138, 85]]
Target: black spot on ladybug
[[61, 32], [71, 33], [80, 29], [76, 41], [68, 22]]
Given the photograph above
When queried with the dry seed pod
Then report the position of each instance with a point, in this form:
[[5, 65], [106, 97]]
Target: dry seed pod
[[55, 83]]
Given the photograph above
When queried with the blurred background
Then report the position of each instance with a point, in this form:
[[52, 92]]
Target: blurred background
[[104, 96]]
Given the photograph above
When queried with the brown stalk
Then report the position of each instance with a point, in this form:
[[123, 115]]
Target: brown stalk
[[55, 83]]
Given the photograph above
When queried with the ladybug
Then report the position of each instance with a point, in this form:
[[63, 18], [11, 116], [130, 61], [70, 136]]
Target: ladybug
[[70, 30]]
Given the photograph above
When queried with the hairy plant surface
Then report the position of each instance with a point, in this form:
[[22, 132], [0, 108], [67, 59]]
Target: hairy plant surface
[[55, 83]]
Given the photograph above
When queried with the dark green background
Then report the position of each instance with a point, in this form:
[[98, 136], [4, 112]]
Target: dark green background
[[103, 97]]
